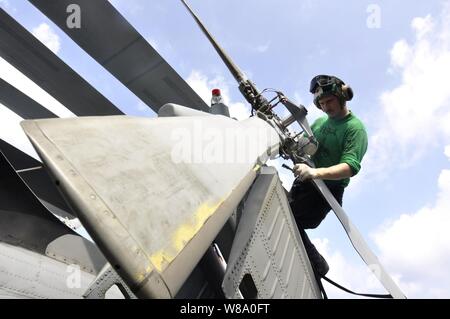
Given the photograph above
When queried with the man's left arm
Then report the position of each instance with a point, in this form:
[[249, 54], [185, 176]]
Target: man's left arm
[[335, 172]]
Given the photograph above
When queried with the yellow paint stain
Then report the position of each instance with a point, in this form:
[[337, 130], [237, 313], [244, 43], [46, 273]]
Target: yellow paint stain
[[141, 277], [181, 237], [161, 259]]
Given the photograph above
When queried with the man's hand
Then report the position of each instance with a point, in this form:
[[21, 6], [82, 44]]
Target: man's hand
[[304, 172]]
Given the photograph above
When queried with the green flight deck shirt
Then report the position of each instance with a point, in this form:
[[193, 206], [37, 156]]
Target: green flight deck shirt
[[340, 141]]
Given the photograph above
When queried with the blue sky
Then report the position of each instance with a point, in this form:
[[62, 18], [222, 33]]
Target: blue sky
[[398, 70]]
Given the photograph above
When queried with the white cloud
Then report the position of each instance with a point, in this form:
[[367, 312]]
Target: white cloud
[[203, 86], [401, 53], [422, 26], [48, 37], [414, 116], [447, 151], [415, 246]]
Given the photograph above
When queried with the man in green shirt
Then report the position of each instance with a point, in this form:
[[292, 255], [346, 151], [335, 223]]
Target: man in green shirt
[[342, 141]]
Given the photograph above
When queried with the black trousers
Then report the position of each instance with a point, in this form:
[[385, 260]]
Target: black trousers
[[308, 205], [310, 209]]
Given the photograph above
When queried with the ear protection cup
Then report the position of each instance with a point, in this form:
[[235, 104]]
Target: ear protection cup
[[347, 92]]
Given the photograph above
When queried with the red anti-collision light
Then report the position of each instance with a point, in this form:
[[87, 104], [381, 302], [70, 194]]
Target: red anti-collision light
[[215, 92]]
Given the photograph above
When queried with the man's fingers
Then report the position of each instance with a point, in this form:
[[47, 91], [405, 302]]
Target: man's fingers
[[302, 171], [304, 175]]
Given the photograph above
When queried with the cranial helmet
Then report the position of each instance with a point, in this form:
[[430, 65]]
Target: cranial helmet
[[325, 85]]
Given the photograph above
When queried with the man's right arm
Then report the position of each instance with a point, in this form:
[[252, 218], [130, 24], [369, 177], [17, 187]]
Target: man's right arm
[[355, 146]]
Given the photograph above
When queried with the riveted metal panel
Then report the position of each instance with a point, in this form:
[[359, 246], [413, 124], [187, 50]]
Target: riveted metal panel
[[268, 246]]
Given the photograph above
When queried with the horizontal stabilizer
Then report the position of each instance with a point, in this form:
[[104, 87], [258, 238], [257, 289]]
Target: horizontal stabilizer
[[153, 193]]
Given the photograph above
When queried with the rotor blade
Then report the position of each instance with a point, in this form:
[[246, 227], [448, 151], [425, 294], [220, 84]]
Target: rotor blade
[[21, 49], [39, 228], [18, 159], [359, 243], [31, 170], [126, 55], [37, 179], [26, 223], [21, 104], [234, 69]]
